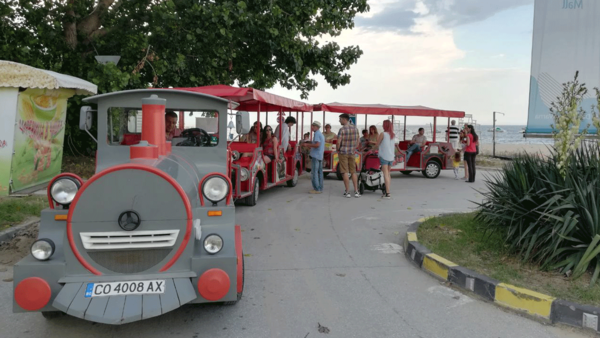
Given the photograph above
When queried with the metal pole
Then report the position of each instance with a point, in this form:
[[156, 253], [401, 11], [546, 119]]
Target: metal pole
[[404, 128], [302, 127], [494, 136], [434, 127], [257, 120]]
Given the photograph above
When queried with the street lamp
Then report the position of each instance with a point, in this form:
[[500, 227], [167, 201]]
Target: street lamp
[[494, 134]]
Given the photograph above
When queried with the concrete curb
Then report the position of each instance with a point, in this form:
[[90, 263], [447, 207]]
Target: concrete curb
[[10, 233], [533, 304]]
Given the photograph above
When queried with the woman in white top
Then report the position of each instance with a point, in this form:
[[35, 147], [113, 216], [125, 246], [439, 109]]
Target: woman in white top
[[385, 142]]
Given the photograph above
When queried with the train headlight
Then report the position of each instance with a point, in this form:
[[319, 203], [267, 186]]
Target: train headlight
[[215, 189], [213, 244], [235, 155], [245, 173], [63, 190], [42, 249]]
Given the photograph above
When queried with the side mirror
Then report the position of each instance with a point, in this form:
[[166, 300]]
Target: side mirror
[[242, 122], [85, 118]]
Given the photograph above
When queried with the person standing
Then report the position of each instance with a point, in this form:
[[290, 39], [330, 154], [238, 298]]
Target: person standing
[[316, 154], [347, 142], [471, 151], [456, 163], [385, 143], [285, 132], [453, 135]]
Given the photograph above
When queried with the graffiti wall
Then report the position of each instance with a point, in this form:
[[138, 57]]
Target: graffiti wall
[[39, 135], [8, 109]]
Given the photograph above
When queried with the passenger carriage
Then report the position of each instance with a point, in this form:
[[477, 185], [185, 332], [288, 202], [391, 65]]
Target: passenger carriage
[[152, 230], [434, 157], [250, 175]]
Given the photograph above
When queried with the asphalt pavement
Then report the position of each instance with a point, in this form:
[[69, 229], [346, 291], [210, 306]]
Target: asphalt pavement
[[324, 266]]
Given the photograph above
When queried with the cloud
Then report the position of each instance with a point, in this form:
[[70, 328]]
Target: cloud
[[398, 16], [420, 70], [402, 15], [453, 13]]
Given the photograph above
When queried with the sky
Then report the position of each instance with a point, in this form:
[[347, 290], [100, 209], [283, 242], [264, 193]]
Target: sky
[[467, 55]]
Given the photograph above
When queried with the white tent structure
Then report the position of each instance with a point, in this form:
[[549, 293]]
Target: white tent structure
[[33, 106]]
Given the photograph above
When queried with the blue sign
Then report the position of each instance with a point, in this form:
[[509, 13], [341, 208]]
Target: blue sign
[[89, 289]]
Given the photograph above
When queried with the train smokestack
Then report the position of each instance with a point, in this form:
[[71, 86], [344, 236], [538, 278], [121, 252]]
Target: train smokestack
[[153, 140]]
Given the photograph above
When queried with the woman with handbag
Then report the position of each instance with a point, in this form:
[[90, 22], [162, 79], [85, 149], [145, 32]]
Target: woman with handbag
[[471, 151]]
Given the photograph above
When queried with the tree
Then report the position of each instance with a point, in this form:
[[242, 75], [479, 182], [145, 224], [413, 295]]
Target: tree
[[181, 43]]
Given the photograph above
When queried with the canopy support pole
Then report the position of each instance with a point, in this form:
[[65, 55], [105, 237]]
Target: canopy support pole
[[404, 127], [448, 131], [392, 125], [434, 127], [297, 119], [258, 120]]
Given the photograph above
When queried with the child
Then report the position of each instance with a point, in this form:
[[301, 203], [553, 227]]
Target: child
[[456, 164]]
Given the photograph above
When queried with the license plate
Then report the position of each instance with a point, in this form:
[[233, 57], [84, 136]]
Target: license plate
[[125, 288]]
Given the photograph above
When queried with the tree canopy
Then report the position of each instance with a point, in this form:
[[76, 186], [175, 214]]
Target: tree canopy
[[183, 43]]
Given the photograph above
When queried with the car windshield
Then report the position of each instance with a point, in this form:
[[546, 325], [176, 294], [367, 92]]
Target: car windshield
[[184, 128]]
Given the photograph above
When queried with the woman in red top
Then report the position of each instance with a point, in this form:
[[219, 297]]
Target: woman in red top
[[471, 151], [269, 145]]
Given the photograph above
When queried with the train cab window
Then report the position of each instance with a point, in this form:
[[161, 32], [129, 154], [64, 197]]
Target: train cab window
[[182, 127]]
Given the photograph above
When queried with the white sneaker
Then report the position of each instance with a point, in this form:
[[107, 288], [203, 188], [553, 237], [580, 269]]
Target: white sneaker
[[356, 194], [348, 195]]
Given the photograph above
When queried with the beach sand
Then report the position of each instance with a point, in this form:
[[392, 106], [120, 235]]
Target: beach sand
[[514, 149]]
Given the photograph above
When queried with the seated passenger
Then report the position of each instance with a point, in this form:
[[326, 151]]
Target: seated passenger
[[269, 145], [171, 126], [252, 136], [329, 135], [363, 144], [416, 144]]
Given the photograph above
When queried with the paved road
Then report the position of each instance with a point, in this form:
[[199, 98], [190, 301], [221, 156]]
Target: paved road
[[328, 260]]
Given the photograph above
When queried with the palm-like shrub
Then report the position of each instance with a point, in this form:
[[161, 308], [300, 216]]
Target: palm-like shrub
[[548, 219]]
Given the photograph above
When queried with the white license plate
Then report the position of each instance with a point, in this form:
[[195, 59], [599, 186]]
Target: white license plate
[[125, 288]]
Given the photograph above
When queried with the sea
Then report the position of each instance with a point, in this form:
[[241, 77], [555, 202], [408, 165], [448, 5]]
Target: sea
[[507, 134]]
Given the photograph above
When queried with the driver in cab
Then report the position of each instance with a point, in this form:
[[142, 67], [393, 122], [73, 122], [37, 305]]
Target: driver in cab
[[170, 126]]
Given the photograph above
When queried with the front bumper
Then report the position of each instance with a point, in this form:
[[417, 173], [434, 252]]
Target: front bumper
[[120, 309]]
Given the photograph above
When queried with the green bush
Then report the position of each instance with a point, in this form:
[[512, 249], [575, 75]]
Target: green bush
[[547, 219]]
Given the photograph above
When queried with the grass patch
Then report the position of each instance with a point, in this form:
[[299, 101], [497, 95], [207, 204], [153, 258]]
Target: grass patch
[[460, 239], [14, 210]]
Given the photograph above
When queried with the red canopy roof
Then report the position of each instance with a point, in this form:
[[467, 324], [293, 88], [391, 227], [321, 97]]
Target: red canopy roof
[[382, 109], [250, 98]]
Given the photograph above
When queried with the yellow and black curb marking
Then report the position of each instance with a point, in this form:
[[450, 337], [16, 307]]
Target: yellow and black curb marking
[[525, 301]]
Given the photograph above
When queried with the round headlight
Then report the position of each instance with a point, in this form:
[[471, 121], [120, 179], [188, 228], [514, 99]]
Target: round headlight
[[63, 190], [215, 189], [213, 244], [244, 174], [42, 249], [235, 155]]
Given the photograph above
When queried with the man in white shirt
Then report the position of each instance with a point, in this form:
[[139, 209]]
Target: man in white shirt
[[285, 133], [453, 132], [417, 143]]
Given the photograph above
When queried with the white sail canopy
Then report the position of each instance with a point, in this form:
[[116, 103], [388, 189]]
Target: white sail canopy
[[13, 74]]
